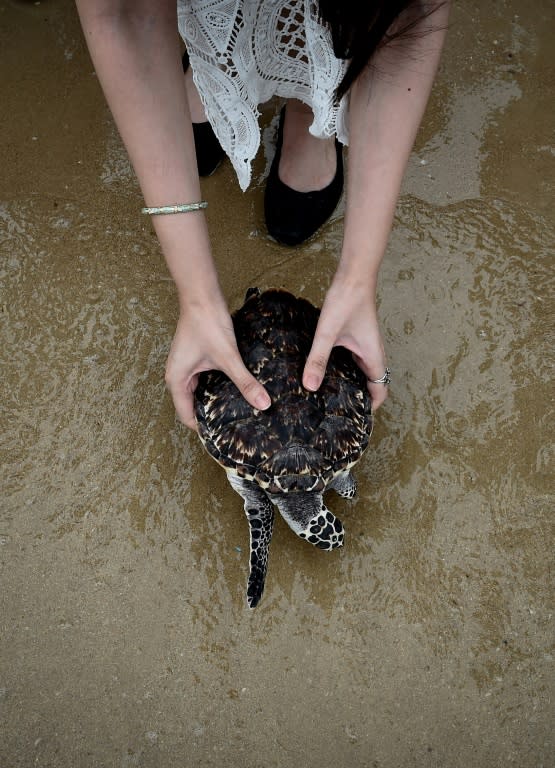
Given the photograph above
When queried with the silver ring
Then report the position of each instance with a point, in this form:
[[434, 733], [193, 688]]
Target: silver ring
[[385, 379]]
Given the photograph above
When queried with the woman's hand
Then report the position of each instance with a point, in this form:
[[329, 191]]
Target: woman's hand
[[348, 319], [204, 340]]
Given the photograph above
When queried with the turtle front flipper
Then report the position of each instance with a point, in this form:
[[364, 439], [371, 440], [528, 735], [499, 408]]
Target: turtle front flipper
[[308, 516], [260, 514]]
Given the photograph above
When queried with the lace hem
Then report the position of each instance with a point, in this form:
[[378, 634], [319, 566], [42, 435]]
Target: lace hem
[[244, 52]]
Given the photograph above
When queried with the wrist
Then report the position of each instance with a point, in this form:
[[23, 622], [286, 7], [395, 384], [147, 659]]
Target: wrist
[[201, 294], [356, 278], [185, 244], [198, 295], [362, 253]]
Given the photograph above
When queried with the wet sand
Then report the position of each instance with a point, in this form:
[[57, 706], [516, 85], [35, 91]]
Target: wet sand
[[428, 639]]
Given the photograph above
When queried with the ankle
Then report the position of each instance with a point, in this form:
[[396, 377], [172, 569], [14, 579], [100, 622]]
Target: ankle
[[307, 164]]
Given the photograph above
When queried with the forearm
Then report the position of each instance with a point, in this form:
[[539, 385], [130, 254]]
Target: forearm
[[387, 103], [135, 49]]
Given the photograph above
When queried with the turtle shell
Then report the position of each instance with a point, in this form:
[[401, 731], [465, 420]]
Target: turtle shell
[[305, 438]]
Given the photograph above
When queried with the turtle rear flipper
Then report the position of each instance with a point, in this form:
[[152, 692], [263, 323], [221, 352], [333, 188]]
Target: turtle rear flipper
[[308, 516], [345, 485], [260, 514], [261, 522]]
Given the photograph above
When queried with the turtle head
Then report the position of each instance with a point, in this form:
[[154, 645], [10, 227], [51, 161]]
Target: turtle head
[[253, 291], [308, 516]]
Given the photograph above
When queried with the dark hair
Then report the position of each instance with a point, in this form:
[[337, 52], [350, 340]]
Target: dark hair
[[360, 27]]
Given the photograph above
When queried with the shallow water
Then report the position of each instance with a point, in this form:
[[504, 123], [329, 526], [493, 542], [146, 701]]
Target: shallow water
[[428, 639]]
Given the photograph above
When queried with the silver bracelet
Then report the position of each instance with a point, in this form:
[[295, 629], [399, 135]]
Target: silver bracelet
[[180, 208]]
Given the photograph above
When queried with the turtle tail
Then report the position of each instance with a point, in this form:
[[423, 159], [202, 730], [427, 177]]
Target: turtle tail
[[308, 516]]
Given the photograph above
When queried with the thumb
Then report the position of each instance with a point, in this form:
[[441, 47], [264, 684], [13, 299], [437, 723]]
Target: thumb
[[317, 361], [183, 401]]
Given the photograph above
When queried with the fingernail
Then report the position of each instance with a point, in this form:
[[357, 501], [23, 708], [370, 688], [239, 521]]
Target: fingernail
[[263, 402], [311, 382]]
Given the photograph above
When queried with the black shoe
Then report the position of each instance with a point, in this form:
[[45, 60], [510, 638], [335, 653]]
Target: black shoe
[[207, 147], [292, 217]]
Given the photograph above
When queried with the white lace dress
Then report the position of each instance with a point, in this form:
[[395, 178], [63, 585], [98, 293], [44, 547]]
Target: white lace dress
[[243, 52]]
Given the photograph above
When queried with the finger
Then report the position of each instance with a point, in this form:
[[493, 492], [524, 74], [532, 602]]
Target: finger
[[316, 364], [378, 393], [251, 389]]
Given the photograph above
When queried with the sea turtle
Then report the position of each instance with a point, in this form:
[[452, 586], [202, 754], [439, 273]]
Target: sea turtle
[[304, 444]]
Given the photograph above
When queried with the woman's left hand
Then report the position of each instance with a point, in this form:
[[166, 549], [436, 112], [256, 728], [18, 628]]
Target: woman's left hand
[[348, 319]]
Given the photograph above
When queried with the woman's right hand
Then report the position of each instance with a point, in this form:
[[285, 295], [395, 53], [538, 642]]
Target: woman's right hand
[[204, 340]]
